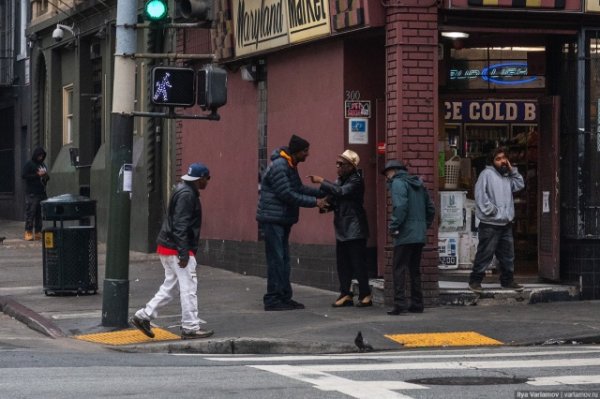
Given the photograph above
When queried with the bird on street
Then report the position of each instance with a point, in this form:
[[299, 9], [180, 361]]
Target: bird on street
[[361, 344]]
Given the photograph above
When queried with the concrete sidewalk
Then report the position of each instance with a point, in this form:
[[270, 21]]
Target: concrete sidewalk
[[232, 306]]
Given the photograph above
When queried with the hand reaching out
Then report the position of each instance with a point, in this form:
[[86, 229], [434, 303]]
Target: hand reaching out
[[315, 179]]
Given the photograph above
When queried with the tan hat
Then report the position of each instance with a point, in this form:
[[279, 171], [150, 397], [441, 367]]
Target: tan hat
[[351, 157]]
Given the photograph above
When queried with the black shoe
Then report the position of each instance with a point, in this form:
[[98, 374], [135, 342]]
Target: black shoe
[[296, 305], [415, 309], [512, 286], [396, 311], [278, 307], [475, 287], [195, 334], [142, 325], [343, 300], [365, 302]]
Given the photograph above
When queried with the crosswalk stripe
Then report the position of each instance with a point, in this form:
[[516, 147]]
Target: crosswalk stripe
[[500, 364], [412, 355], [565, 380], [354, 389]]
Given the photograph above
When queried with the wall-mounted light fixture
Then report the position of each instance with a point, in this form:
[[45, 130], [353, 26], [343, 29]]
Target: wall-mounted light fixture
[[455, 35]]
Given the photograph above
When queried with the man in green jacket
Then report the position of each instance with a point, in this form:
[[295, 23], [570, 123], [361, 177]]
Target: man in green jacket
[[412, 215]]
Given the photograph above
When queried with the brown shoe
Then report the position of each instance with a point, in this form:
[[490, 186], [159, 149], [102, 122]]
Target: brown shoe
[[365, 302], [37, 236], [28, 236], [343, 300]]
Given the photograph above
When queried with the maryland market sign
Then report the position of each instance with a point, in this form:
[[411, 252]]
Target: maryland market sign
[[261, 25]]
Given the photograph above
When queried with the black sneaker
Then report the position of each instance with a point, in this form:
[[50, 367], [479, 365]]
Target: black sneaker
[[512, 286], [415, 309], [279, 307], [142, 325], [195, 334], [296, 305], [475, 287], [397, 311]]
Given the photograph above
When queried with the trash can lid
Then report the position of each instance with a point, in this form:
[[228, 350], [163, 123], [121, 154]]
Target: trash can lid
[[67, 198]]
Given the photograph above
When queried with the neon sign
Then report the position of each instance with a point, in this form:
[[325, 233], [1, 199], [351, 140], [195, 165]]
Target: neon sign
[[515, 72], [506, 73]]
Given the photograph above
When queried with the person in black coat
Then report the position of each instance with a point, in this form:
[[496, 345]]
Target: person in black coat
[[281, 195], [177, 245], [35, 174], [346, 197]]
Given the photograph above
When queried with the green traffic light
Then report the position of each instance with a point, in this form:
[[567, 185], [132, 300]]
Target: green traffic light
[[156, 10]]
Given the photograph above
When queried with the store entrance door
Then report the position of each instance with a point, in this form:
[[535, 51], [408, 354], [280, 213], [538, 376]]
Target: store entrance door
[[548, 189]]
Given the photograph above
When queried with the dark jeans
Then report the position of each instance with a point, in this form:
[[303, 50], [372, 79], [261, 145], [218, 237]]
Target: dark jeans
[[277, 251], [351, 257], [407, 259], [33, 211], [494, 240]]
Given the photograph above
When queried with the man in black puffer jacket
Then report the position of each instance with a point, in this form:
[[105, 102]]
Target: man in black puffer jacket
[[281, 195]]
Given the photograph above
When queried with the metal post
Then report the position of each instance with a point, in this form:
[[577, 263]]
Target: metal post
[[115, 301]]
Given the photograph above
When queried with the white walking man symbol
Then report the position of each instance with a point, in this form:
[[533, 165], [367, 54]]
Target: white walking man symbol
[[161, 88]]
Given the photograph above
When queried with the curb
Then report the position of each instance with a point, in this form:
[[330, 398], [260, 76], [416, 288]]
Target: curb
[[30, 318], [245, 346]]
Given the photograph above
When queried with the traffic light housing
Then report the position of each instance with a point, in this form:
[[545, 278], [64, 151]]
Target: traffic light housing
[[196, 10], [212, 87], [156, 10], [172, 86]]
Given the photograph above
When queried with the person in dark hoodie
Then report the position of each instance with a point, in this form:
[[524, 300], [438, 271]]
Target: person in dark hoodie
[[412, 214], [35, 174], [281, 195], [346, 197]]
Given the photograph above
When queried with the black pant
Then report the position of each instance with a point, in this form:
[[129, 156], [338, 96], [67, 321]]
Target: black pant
[[33, 212], [351, 257], [407, 257]]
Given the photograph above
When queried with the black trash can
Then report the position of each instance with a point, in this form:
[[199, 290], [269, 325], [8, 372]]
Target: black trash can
[[69, 245]]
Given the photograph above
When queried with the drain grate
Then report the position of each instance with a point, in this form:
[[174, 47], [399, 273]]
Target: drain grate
[[468, 381]]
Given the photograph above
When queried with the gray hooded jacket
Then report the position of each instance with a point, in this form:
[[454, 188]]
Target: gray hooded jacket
[[494, 195]]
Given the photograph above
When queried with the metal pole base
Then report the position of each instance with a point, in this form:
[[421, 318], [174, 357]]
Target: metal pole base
[[115, 303]]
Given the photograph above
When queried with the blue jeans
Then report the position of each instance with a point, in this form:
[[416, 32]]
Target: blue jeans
[[277, 251], [494, 240]]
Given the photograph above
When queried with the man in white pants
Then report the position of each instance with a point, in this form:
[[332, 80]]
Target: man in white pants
[[177, 246]]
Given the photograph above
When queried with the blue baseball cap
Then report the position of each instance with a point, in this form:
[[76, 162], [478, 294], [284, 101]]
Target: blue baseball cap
[[196, 171]]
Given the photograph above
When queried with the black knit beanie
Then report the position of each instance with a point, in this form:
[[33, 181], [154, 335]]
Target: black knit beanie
[[297, 144]]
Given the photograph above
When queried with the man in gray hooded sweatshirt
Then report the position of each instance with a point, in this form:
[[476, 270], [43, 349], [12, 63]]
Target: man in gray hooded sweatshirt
[[496, 210]]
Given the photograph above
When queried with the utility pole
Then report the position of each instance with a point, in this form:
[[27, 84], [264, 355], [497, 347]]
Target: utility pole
[[115, 300]]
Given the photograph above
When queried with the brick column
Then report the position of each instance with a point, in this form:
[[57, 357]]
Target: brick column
[[412, 114]]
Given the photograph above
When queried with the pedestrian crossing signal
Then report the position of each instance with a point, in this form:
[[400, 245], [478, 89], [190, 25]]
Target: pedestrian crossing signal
[[212, 87], [173, 86]]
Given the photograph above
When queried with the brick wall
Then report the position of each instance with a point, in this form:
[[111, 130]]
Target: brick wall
[[412, 114]]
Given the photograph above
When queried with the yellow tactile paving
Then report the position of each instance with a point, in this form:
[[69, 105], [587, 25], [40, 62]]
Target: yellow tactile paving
[[462, 338], [126, 337]]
